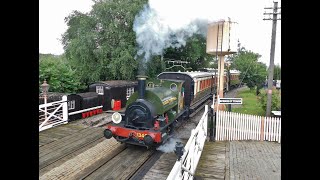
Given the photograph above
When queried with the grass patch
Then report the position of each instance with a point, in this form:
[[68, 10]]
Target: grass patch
[[250, 103]]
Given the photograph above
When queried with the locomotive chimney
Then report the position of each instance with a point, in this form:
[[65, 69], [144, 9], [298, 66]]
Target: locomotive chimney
[[141, 86]]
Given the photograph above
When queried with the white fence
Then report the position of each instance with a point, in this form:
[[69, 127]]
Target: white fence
[[236, 126], [186, 166], [53, 114]]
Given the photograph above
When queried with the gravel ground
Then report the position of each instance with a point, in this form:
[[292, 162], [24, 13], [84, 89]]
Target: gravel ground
[[184, 131]]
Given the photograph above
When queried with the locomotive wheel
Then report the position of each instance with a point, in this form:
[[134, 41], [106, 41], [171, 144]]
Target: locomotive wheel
[[148, 140], [107, 134]]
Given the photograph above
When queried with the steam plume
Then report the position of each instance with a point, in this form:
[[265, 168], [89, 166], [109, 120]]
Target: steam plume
[[168, 23], [169, 146]]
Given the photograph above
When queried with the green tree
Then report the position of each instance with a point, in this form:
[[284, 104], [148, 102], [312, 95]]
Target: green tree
[[275, 100], [193, 52], [101, 44], [253, 73], [155, 66], [277, 72], [58, 73]]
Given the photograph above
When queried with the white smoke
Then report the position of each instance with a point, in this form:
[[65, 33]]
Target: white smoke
[[168, 23], [169, 146]]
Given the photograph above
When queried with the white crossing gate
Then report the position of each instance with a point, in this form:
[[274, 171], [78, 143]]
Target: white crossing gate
[[53, 114], [236, 126]]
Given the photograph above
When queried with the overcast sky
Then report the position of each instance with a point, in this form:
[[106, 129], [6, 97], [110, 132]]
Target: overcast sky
[[254, 32]]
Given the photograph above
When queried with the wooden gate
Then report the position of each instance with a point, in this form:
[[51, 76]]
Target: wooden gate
[[53, 114]]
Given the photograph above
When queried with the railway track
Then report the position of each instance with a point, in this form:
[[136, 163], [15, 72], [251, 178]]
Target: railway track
[[86, 154], [160, 164]]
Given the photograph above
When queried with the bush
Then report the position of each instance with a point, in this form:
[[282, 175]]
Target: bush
[[275, 102], [59, 75]]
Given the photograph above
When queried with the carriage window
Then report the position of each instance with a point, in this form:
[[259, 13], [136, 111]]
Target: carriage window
[[173, 87], [71, 105], [130, 91], [150, 85], [99, 90]]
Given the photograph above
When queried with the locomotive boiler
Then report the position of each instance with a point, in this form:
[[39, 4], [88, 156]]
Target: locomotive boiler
[[150, 113]]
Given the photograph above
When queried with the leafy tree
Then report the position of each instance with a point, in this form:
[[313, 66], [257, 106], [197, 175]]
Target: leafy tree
[[155, 66], [101, 44], [253, 72], [259, 77], [277, 72], [58, 73], [194, 52], [275, 100]]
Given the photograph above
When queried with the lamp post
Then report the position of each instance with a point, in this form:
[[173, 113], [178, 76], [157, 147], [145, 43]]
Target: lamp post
[[45, 88]]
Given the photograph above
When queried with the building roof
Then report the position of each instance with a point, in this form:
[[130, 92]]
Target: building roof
[[192, 74], [117, 83]]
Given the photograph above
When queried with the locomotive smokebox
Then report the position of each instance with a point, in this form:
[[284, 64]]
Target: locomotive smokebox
[[141, 86]]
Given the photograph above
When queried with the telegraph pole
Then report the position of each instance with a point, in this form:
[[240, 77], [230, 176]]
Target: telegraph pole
[[273, 43]]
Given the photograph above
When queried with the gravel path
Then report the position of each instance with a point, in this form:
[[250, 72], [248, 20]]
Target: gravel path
[[233, 94]]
